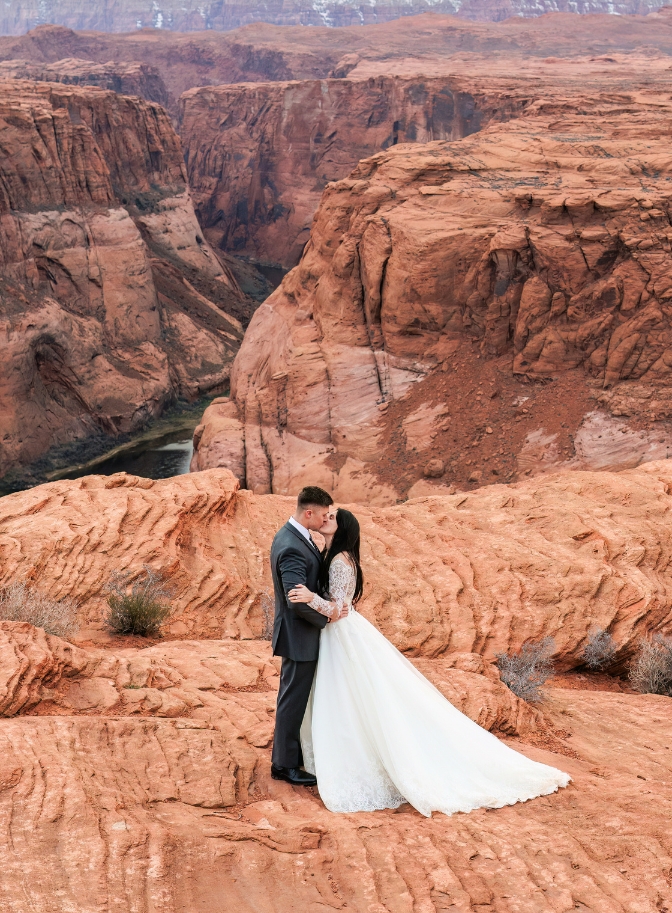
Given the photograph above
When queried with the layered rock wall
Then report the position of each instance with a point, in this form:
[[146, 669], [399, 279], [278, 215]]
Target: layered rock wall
[[258, 156], [262, 52], [101, 256], [533, 246]]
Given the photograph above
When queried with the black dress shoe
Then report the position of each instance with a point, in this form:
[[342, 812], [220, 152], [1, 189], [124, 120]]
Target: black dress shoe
[[293, 775]]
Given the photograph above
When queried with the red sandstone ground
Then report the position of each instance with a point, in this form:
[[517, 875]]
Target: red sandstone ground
[[137, 777]]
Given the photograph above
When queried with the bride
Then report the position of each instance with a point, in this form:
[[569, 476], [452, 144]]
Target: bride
[[376, 733]]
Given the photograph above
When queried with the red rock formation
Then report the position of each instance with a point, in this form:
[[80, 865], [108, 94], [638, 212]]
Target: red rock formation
[[517, 254], [125, 78], [262, 52], [472, 573], [112, 304], [152, 762], [257, 173]]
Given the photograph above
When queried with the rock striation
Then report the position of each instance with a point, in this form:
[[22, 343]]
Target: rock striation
[[478, 572], [257, 173], [151, 762], [442, 283], [111, 302]]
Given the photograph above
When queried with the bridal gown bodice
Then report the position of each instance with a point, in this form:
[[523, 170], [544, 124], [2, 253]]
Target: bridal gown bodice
[[377, 733]]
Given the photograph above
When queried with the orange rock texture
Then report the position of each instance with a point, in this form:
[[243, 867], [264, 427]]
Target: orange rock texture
[[478, 572], [149, 765], [527, 252], [111, 302]]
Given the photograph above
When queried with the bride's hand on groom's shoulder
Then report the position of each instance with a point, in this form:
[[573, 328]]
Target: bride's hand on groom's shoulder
[[300, 593]]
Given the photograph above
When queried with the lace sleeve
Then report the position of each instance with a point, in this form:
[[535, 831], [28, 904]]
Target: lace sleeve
[[323, 606], [340, 580]]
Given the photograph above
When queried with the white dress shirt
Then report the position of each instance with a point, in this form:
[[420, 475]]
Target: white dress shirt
[[301, 529]]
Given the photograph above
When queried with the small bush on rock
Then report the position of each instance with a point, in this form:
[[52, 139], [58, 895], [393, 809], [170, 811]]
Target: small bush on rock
[[143, 610], [525, 672], [651, 670], [600, 650], [19, 602]]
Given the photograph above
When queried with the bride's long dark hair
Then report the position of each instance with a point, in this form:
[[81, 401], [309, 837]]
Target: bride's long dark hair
[[346, 539]]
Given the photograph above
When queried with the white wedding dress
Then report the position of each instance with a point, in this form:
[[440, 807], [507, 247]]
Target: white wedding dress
[[377, 734]]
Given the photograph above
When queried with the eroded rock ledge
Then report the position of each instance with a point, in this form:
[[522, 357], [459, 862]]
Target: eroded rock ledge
[[477, 572]]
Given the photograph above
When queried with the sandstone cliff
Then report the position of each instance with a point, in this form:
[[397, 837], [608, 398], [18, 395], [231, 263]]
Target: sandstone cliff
[[435, 276], [19, 16], [112, 304], [257, 173], [124, 78], [151, 762]]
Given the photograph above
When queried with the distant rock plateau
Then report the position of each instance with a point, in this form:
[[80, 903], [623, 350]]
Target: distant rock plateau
[[19, 16]]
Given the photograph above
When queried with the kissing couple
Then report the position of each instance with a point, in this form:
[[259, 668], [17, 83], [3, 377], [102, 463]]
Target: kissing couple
[[354, 715]]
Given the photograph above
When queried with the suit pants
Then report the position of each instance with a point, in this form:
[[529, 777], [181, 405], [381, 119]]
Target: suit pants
[[296, 680]]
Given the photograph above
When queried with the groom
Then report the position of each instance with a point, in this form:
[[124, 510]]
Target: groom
[[296, 629]]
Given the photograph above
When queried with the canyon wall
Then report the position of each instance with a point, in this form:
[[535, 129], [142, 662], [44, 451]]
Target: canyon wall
[[495, 305], [259, 155], [111, 302], [18, 16]]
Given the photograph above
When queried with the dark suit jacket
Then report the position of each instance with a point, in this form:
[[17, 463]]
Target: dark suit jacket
[[296, 628]]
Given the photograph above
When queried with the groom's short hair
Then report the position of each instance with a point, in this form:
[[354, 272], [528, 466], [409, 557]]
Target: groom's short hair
[[312, 496]]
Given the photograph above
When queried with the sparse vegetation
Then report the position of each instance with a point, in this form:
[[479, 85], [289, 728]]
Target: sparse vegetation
[[143, 609], [525, 672], [600, 650], [20, 602], [651, 669]]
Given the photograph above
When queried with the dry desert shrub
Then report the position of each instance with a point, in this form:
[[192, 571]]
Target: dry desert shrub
[[600, 650], [143, 609], [20, 602], [651, 669], [525, 672]]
